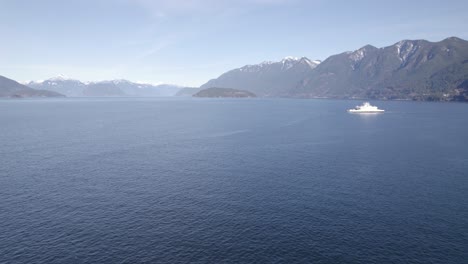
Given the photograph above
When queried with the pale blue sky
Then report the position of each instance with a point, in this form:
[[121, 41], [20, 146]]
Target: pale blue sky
[[189, 42]]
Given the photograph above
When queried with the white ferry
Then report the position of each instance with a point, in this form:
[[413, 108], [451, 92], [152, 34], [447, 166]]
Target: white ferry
[[366, 108]]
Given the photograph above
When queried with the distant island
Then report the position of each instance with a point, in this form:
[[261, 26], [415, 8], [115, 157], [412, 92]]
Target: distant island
[[215, 92]]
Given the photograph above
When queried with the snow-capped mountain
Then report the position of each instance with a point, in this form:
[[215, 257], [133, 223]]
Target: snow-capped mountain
[[143, 89], [75, 88], [13, 89], [267, 78], [59, 84], [284, 65], [408, 69]]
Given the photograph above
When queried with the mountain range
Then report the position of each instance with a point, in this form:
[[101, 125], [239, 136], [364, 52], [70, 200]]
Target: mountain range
[[409, 69], [406, 70], [267, 78], [76, 88], [13, 89]]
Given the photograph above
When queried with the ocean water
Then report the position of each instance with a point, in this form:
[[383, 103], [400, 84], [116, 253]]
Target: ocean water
[[133, 180]]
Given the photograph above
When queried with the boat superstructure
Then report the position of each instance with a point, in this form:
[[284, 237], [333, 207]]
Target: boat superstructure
[[366, 108]]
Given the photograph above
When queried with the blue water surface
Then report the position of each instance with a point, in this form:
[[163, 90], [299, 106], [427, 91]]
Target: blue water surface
[[134, 180]]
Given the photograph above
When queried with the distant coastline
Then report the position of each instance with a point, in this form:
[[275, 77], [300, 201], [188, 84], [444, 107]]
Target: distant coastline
[[413, 70]]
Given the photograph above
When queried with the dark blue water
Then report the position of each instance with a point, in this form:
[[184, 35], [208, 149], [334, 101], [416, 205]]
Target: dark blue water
[[232, 181]]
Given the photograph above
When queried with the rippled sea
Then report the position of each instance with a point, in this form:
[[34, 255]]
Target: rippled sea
[[133, 180]]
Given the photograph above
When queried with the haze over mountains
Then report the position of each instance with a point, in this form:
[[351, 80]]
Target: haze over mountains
[[408, 69], [76, 88]]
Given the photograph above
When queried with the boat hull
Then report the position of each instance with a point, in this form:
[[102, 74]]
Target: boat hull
[[365, 111]]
